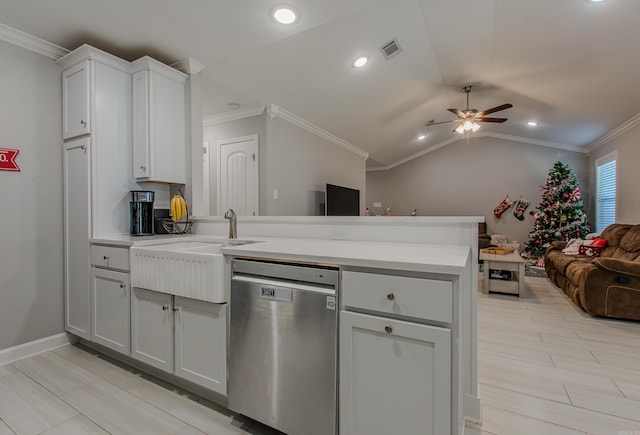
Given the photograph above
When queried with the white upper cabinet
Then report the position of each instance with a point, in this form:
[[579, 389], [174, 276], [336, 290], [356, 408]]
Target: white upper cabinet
[[76, 109], [159, 143]]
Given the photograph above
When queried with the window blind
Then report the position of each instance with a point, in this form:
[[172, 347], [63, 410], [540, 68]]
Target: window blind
[[605, 194]]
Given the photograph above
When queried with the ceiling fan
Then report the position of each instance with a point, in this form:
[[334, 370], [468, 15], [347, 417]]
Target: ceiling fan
[[469, 118]]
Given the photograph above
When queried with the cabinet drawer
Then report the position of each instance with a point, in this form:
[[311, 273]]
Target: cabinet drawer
[[110, 257], [399, 295], [503, 286]]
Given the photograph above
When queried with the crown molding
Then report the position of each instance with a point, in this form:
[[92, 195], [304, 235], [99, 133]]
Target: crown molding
[[278, 112], [233, 115], [30, 42], [628, 125], [189, 66], [478, 135]]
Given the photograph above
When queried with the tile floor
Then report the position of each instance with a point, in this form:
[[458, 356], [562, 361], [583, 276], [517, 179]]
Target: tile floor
[[544, 367]]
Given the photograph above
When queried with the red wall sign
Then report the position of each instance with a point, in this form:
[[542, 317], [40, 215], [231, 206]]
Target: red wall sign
[[7, 160]]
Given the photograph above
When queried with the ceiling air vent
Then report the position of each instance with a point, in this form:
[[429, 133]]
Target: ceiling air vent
[[391, 48]]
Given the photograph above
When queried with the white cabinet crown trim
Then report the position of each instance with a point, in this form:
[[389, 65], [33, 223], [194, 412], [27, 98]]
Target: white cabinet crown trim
[[30, 42]]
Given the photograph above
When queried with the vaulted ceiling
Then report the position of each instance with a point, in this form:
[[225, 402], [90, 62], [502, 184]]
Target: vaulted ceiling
[[570, 65]]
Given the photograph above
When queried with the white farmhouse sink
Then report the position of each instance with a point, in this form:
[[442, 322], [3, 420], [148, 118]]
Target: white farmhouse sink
[[192, 269]]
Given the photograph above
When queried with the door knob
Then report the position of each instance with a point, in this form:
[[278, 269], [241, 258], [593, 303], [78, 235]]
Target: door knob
[[388, 329], [391, 296]]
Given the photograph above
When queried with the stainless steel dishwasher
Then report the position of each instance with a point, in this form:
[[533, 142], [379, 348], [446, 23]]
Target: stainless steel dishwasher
[[283, 345]]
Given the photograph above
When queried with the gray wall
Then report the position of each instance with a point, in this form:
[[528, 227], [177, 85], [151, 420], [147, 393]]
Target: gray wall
[[471, 178], [294, 161], [300, 163], [31, 268], [628, 176]]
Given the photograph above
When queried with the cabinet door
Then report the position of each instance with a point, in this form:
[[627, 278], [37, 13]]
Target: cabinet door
[[201, 343], [77, 231], [159, 145], [395, 376], [111, 309], [141, 124], [76, 107], [152, 328]]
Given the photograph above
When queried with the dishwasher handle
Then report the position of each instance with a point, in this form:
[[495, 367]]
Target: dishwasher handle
[[266, 282]]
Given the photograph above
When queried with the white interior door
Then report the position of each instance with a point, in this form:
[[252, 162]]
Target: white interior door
[[238, 175]]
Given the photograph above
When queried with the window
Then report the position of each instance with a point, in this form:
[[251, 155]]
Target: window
[[605, 191]]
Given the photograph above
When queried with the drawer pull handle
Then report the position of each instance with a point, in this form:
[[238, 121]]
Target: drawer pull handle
[[391, 296], [123, 285], [388, 329]]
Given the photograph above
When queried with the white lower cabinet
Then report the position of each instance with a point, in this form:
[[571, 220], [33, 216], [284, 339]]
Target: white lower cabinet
[[152, 328], [111, 309], [181, 336], [200, 340], [394, 376], [395, 368]]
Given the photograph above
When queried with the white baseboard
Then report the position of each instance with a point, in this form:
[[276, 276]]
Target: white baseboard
[[31, 348]]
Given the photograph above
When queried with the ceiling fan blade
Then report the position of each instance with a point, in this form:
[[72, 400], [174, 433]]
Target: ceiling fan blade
[[456, 112], [428, 123], [481, 119], [495, 109]]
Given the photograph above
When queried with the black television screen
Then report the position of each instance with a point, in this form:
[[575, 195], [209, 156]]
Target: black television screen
[[342, 201]]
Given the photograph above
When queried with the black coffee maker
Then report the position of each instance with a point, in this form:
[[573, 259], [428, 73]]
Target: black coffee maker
[[141, 212]]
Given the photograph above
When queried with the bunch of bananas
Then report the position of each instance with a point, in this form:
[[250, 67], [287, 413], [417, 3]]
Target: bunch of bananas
[[178, 207]]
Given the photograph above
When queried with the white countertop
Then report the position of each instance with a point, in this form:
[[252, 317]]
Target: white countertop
[[398, 256]]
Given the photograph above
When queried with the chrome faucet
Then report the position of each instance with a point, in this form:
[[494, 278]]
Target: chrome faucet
[[233, 228]]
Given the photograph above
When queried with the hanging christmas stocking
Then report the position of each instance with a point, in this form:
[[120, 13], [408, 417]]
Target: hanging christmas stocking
[[521, 206], [502, 207]]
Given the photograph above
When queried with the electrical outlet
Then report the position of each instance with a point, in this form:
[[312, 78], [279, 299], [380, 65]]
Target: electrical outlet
[[377, 204], [275, 193], [338, 234]]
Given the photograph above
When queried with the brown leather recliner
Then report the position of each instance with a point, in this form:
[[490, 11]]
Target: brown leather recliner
[[608, 285]]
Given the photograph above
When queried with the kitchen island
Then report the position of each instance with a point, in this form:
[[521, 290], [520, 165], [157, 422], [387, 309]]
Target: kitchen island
[[428, 279]]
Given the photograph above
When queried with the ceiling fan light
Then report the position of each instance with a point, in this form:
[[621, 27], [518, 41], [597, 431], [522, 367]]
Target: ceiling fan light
[[475, 126], [460, 129], [468, 125]]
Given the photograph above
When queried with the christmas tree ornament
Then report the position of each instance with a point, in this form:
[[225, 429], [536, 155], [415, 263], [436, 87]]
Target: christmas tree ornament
[[504, 205], [521, 206]]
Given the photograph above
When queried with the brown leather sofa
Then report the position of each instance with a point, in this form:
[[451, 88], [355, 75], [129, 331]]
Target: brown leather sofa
[[608, 285]]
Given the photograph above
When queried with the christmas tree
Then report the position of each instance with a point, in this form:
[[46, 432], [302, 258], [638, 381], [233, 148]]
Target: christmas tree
[[560, 215]]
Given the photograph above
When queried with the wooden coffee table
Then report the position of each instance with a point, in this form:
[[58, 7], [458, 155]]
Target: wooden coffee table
[[513, 263]]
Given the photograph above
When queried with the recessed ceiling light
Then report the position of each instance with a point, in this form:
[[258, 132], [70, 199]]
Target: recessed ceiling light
[[596, 1], [284, 14], [360, 62], [422, 136], [532, 123]]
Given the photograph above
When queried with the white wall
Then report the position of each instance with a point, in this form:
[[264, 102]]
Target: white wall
[[300, 164], [471, 178], [31, 268], [628, 176]]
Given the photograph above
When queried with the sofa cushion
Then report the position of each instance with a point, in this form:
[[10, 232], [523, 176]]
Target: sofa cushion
[[631, 240], [619, 253], [560, 261], [614, 233], [576, 272]]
